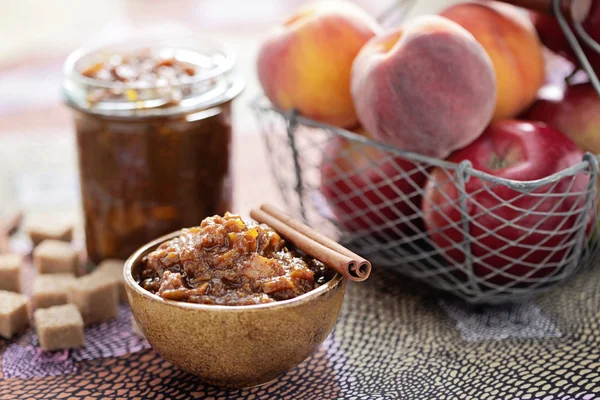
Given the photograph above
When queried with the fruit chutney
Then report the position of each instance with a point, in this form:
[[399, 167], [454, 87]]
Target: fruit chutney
[[229, 261], [153, 130]]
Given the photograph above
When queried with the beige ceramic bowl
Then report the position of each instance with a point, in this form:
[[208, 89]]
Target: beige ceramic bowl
[[234, 346]]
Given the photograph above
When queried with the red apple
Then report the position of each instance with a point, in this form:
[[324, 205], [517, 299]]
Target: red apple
[[577, 115], [507, 224], [369, 190], [553, 37]]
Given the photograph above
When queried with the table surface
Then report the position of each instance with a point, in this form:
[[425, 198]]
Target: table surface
[[394, 338]]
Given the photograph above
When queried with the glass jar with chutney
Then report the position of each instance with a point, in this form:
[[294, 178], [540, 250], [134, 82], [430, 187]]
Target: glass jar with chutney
[[153, 129]]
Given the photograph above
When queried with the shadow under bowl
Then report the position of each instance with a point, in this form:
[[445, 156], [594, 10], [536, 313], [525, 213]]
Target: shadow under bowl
[[233, 346]]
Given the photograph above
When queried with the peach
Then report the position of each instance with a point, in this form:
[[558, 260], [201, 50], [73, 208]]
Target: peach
[[513, 45], [305, 63], [427, 87]]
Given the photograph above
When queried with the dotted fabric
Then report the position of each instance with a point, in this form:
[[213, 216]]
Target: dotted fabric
[[25, 359], [395, 339]]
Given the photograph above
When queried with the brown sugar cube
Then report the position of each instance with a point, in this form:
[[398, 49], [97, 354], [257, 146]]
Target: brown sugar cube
[[51, 289], [14, 313], [112, 269], [96, 297], [59, 327], [48, 227], [53, 256], [10, 272]]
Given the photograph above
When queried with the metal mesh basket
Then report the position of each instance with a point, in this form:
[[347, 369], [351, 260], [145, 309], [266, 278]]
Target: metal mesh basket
[[484, 254]]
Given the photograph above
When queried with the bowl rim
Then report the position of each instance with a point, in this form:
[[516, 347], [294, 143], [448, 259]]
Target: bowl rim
[[334, 282]]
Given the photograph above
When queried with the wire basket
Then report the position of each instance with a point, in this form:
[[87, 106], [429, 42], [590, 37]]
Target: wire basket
[[375, 209]]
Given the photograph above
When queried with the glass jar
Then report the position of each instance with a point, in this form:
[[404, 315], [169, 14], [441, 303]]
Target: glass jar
[[153, 153]]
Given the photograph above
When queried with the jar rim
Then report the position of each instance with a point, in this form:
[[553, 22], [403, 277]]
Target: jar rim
[[190, 49], [70, 70]]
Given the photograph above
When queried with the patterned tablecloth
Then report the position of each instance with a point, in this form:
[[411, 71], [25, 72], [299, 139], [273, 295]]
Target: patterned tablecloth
[[395, 339]]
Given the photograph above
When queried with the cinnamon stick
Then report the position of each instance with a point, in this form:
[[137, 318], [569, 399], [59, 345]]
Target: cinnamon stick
[[332, 254]]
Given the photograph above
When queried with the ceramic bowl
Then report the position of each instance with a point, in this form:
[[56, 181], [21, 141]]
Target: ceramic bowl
[[233, 346]]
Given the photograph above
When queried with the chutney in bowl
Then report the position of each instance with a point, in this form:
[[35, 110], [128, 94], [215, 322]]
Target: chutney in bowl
[[232, 345]]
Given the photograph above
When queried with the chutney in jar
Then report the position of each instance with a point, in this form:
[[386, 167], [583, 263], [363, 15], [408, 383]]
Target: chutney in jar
[[153, 130]]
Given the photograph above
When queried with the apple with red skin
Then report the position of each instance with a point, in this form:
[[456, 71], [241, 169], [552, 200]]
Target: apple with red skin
[[553, 37], [577, 115], [353, 181], [519, 151]]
